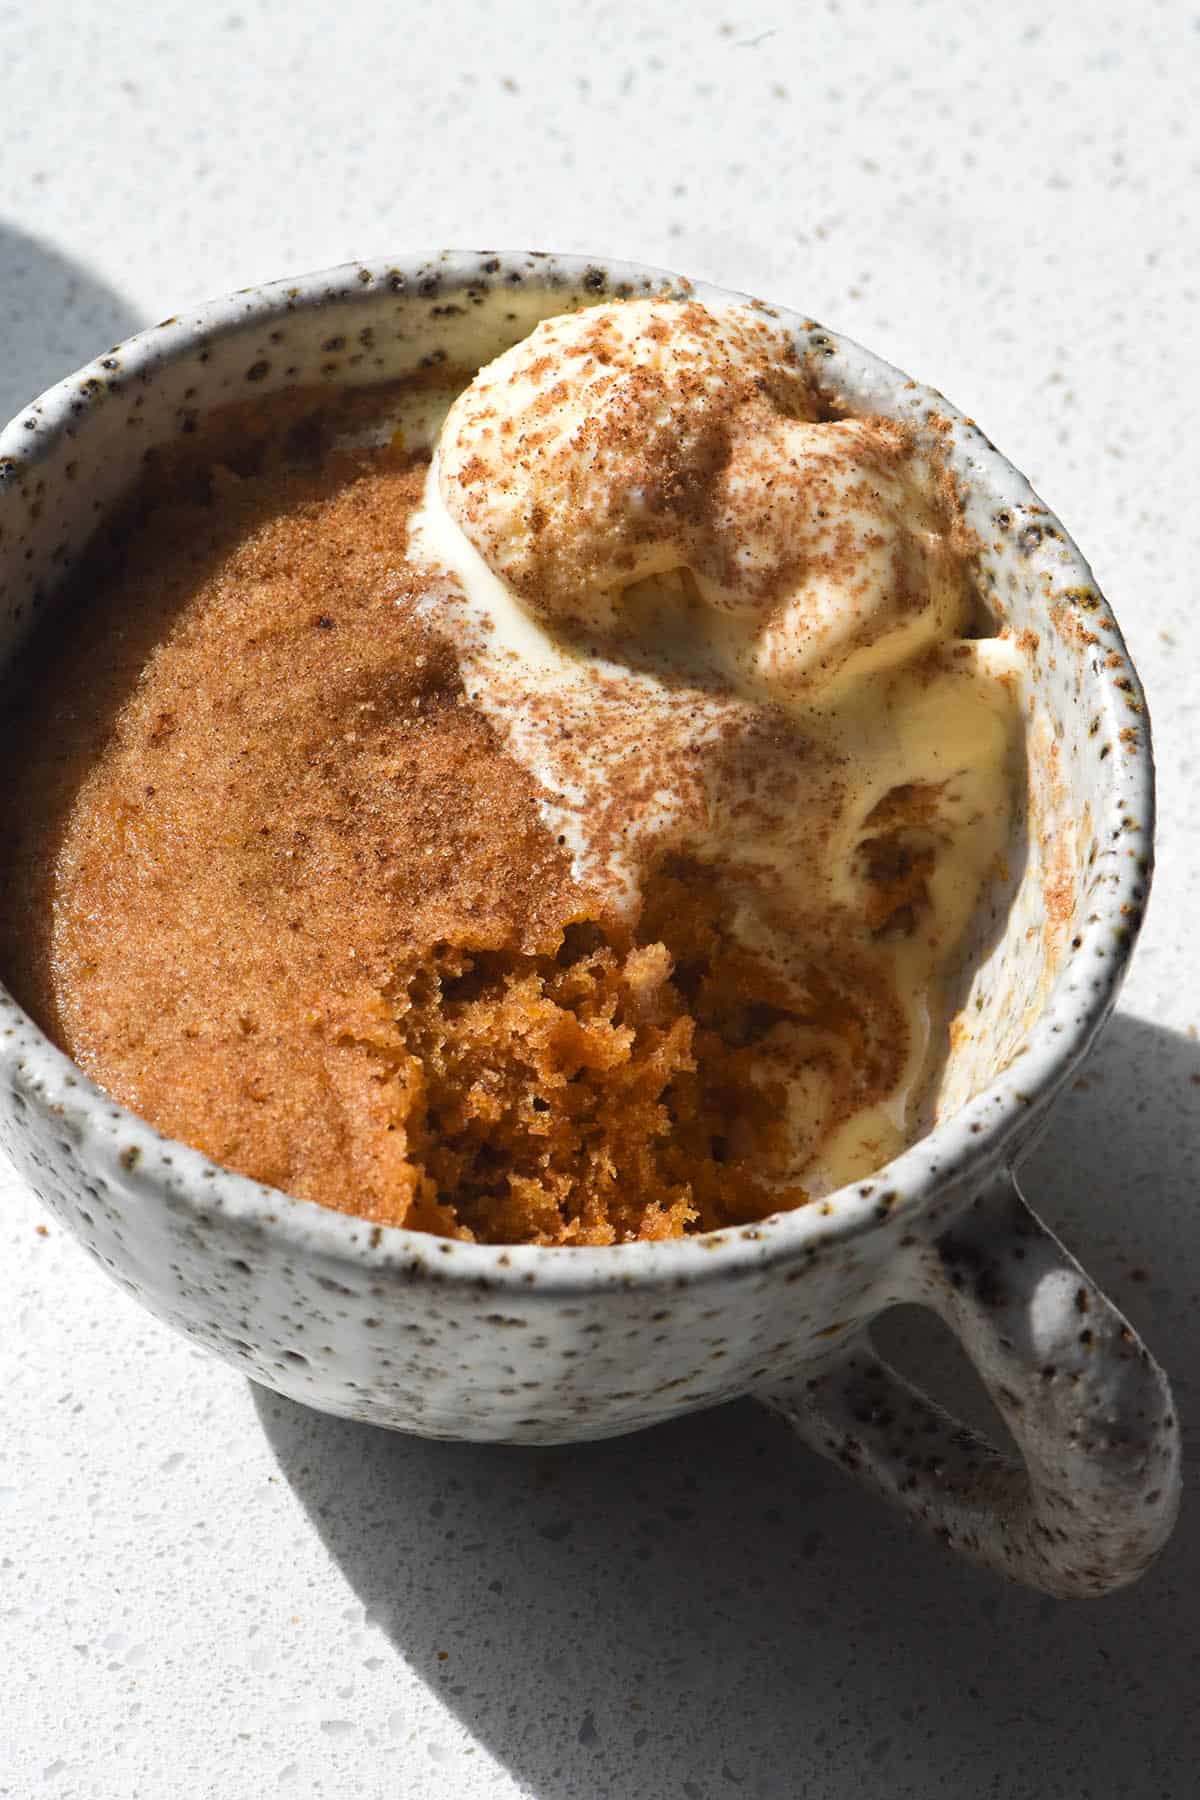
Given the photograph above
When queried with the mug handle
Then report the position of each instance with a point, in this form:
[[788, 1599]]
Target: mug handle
[[1096, 1495]]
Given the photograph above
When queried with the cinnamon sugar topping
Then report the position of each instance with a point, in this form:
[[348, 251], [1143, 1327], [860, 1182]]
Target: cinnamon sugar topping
[[565, 840]]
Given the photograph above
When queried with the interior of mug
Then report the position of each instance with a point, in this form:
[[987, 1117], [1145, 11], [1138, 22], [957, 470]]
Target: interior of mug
[[72, 455]]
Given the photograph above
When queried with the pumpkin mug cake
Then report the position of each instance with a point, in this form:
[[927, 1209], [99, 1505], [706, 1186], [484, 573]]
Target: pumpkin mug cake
[[544, 805], [572, 801]]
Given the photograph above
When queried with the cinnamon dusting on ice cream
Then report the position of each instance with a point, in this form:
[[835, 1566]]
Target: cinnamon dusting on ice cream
[[715, 626]]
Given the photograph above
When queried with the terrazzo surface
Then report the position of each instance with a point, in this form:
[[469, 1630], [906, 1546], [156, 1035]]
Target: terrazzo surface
[[207, 1591]]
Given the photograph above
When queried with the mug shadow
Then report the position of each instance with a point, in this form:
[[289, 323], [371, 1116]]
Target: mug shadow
[[707, 1607], [56, 315]]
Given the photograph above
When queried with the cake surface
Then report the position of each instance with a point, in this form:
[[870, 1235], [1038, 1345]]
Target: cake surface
[[290, 872]]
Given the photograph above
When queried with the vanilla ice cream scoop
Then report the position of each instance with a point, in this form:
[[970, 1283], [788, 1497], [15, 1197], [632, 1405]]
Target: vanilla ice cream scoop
[[619, 452], [722, 632]]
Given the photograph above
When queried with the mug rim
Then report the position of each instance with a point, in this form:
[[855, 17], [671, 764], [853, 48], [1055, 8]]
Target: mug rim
[[957, 1152]]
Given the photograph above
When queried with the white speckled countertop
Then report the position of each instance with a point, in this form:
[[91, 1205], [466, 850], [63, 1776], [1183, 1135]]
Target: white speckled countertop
[[205, 1591]]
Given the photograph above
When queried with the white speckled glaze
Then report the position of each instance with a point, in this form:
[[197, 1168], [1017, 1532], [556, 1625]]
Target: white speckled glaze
[[533, 1345]]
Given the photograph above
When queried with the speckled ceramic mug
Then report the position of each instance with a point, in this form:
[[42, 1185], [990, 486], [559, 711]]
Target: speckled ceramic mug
[[541, 1346]]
